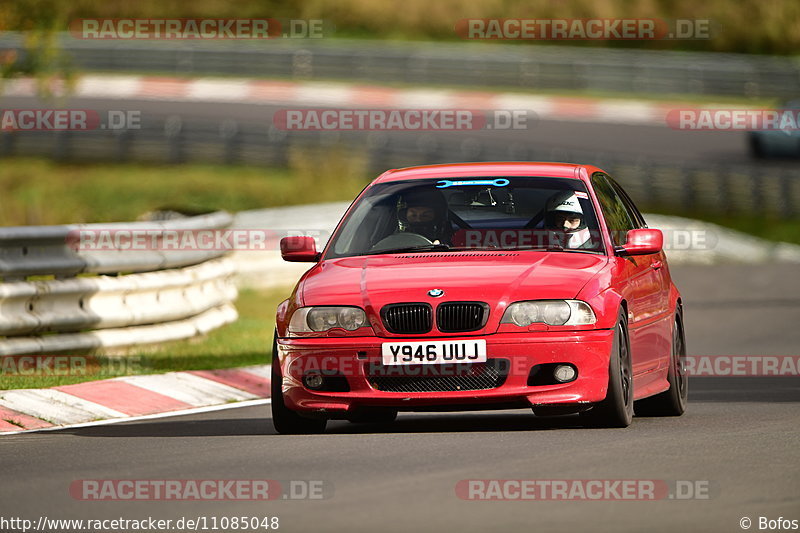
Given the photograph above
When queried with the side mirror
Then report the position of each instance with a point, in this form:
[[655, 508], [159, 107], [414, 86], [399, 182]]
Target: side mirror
[[300, 249], [642, 242]]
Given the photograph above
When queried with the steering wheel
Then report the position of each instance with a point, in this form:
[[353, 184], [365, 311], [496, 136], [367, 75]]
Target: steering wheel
[[400, 240]]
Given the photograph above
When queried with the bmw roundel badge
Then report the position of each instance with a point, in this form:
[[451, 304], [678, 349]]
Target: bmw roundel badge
[[435, 293]]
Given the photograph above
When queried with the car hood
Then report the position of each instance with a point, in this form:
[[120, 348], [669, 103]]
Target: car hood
[[496, 278]]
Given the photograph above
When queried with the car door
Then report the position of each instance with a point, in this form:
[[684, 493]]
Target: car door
[[639, 281], [660, 304], [659, 260]]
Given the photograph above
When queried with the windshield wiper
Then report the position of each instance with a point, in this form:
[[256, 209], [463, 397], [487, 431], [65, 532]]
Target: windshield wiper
[[557, 248], [411, 249]]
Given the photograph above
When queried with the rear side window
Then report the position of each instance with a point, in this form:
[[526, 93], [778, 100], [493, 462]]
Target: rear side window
[[614, 210]]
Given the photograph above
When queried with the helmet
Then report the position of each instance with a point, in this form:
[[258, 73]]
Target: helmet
[[435, 226], [564, 203], [564, 206]]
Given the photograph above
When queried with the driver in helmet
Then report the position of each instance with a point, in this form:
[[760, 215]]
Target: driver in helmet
[[425, 213], [564, 214]]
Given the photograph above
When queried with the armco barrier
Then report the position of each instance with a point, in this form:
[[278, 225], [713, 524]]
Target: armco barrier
[[149, 296], [533, 66], [44, 250]]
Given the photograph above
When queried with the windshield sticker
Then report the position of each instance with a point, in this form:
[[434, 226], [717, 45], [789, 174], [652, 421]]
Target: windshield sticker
[[582, 195], [443, 184]]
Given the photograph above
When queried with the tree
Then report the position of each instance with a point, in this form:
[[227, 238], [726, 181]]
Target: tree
[[33, 26]]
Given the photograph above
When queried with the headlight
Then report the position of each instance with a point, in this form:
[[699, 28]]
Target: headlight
[[551, 312], [308, 319]]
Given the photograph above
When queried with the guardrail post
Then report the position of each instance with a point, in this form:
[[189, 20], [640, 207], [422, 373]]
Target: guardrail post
[[726, 198], [279, 146], [229, 132], [689, 192], [123, 141], [61, 147], [172, 130], [652, 185], [757, 192], [787, 199], [7, 144]]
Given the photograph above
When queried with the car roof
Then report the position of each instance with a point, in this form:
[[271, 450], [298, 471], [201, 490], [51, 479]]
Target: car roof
[[453, 170]]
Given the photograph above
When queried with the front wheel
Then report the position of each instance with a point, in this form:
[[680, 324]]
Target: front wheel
[[616, 411], [671, 402], [285, 420]]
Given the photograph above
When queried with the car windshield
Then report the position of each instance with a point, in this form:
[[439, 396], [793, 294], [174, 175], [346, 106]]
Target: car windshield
[[457, 214]]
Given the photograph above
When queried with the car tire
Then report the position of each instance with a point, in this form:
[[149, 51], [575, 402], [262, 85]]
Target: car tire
[[671, 402], [373, 415], [616, 411], [286, 421]]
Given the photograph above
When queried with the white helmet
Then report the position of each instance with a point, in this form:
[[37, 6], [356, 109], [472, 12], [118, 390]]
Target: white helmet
[[565, 201]]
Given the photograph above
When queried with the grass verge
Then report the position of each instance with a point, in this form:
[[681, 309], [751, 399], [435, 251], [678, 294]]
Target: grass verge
[[37, 191], [767, 227], [248, 341]]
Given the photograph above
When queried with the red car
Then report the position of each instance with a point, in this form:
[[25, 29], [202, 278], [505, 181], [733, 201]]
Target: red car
[[481, 286]]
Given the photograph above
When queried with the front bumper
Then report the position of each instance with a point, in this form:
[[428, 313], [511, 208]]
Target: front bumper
[[351, 357]]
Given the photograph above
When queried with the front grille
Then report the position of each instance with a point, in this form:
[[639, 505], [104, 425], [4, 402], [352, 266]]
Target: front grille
[[438, 378], [453, 317], [411, 318]]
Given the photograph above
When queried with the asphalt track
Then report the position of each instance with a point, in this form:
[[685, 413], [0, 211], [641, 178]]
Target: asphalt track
[[661, 143], [739, 437]]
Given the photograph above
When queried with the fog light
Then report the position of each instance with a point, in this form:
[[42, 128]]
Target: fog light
[[564, 373], [313, 380]]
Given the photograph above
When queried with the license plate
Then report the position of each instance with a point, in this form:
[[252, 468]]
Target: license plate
[[433, 352]]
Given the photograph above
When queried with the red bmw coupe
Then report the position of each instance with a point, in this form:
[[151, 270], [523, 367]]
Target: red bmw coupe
[[482, 286]]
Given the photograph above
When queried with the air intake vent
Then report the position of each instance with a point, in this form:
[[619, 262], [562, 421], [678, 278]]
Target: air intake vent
[[410, 318], [438, 378], [454, 317]]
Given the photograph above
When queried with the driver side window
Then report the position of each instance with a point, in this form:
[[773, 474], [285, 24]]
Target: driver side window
[[614, 210]]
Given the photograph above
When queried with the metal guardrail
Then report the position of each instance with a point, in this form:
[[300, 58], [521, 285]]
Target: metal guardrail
[[172, 295], [681, 187], [45, 250], [524, 66]]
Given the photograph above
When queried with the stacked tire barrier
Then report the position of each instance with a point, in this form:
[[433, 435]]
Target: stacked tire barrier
[[56, 297]]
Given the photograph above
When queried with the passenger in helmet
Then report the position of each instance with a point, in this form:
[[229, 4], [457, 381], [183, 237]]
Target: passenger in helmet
[[564, 214], [425, 213]]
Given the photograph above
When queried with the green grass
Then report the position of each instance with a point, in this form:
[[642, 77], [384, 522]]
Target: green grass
[[37, 191], [248, 341], [770, 228]]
